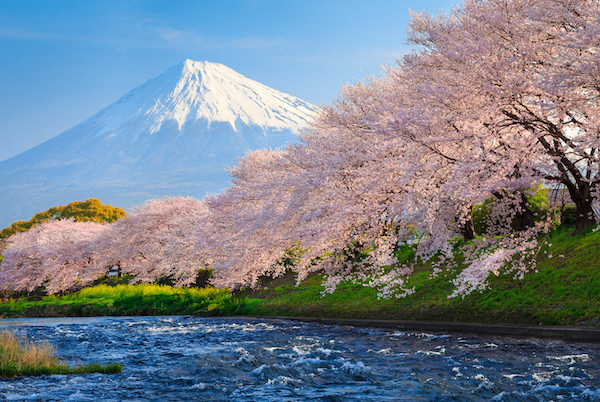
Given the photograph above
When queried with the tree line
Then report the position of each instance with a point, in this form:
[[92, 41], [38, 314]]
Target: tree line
[[498, 99]]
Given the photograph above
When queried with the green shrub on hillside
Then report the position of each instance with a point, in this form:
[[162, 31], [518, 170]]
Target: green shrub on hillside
[[81, 211]]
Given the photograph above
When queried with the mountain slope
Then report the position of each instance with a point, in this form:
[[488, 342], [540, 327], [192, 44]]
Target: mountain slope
[[174, 135]]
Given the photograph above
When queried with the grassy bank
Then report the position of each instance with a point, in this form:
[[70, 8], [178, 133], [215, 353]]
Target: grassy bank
[[143, 299], [21, 357], [564, 291]]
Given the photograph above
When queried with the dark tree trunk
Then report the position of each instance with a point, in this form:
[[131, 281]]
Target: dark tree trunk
[[467, 229], [581, 196], [574, 175], [585, 216]]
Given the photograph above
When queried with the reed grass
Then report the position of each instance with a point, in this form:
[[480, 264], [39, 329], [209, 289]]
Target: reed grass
[[22, 357]]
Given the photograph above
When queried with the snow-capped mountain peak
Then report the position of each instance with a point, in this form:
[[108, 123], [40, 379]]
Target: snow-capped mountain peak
[[209, 92], [174, 135]]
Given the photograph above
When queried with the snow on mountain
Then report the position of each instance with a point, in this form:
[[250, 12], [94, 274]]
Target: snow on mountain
[[174, 135], [212, 92]]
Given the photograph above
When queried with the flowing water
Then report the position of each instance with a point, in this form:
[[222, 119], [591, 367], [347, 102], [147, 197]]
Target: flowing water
[[179, 358]]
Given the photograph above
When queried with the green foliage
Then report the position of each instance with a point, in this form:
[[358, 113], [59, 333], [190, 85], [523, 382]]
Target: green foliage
[[114, 280], [480, 213], [12, 370], [568, 215], [168, 280], [537, 199], [291, 257], [140, 299], [81, 211], [405, 253]]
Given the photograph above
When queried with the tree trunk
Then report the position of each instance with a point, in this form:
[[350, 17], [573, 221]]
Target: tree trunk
[[585, 215], [583, 207], [467, 229]]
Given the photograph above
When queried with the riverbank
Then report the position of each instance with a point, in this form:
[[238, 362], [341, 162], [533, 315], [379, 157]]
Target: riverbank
[[563, 290], [577, 334], [128, 300]]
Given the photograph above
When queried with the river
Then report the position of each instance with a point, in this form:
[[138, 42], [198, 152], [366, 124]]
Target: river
[[193, 358]]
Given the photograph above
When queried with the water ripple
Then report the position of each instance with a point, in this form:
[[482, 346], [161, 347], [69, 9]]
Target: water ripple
[[175, 358]]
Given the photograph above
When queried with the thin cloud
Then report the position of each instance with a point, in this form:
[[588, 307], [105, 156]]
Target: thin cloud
[[147, 34], [24, 34], [189, 39]]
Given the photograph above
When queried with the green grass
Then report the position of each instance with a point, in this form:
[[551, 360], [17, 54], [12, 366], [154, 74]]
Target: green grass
[[564, 291], [142, 299], [21, 357]]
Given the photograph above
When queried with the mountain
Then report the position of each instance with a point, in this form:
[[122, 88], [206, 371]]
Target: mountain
[[174, 135]]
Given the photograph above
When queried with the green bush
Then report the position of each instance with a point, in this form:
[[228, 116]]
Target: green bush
[[568, 215], [81, 211], [140, 299], [203, 277]]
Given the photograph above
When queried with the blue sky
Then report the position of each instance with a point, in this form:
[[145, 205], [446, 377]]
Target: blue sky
[[62, 61]]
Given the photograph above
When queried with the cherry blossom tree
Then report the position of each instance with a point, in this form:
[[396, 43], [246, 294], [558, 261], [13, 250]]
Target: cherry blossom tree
[[524, 74], [500, 96], [316, 196], [156, 241], [445, 177], [55, 255], [466, 118]]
